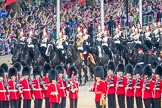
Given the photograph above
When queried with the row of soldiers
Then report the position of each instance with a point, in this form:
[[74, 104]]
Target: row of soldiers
[[52, 87], [128, 83], [125, 82]]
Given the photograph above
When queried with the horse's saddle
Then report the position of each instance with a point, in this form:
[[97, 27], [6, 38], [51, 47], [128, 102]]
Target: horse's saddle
[[90, 56]]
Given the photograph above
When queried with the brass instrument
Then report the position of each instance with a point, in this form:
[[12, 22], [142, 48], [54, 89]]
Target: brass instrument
[[79, 41]]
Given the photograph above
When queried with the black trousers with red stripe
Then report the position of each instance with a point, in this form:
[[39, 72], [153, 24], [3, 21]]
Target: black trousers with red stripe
[[63, 102], [38, 103], [157, 102], [54, 105], [130, 102], [47, 104], [14, 103], [26, 103], [99, 106], [111, 101], [73, 103], [148, 103], [4, 104], [139, 103], [121, 100]]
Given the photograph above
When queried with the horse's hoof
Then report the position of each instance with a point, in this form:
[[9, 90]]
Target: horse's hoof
[[80, 84], [84, 84]]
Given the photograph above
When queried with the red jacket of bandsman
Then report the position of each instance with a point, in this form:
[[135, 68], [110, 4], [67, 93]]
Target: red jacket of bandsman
[[121, 80], [38, 89], [73, 85], [157, 83], [26, 89], [99, 88], [3, 92], [111, 84], [54, 93], [62, 87], [147, 83], [13, 91]]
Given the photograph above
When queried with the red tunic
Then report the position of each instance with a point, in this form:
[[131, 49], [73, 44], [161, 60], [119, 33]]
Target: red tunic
[[147, 92], [46, 81], [120, 89], [38, 91], [62, 87], [54, 88], [100, 89], [26, 89], [130, 87], [138, 91], [111, 87], [73, 94], [3, 92], [13, 92], [157, 89]]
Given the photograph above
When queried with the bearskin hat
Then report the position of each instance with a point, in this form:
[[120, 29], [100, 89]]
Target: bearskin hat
[[111, 66], [60, 69], [129, 69], [26, 70], [147, 70], [138, 69], [5, 67], [120, 67], [1, 72], [158, 70], [37, 70], [12, 72], [53, 74], [73, 69], [99, 71], [17, 65], [154, 64], [46, 69]]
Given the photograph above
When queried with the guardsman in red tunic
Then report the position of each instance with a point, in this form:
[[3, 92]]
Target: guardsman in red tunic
[[99, 88], [13, 90], [73, 87], [37, 91], [3, 91], [53, 88], [138, 85], [147, 86], [62, 86], [130, 86], [157, 87], [17, 66], [45, 79], [111, 85], [26, 88], [120, 85], [5, 82]]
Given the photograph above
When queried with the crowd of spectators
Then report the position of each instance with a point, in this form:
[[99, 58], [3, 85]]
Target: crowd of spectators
[[37, 17]]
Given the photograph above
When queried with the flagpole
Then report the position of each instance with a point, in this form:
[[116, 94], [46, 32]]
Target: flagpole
[[58, 19], [102, 15], [140, 12]]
